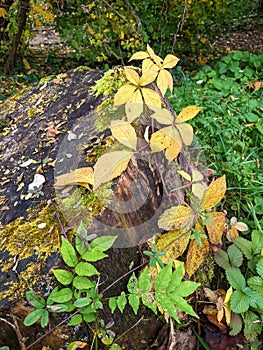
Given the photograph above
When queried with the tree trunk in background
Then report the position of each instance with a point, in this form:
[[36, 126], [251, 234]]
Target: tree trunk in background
[[22, 13]]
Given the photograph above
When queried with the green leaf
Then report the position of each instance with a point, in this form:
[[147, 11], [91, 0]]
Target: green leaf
[[94, 255], [44, 319], [255, 298], [68, 253], [235, 278], [235, 256], [257, 241], [35, 300], [103, 243], [76, 345], [253, 325], [166, 303], [115, 347], [89, 317], [132, 285], [62, 296], [176, 279], [82, 283], [259, 268], [244, 245], [186, 288], [163, 278], [82, 302], [86, 269], [145, 280], [110, 165], [113, 304], [235, 324], [239, 302], [256, 283], [121, 301], [75, 320], [63, 276], [221, 258], [134, 302], [33, 317], [183, 305], [149, 301]]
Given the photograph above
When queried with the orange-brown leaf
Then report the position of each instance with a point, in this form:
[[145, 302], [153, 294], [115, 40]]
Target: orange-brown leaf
[[216, 229]]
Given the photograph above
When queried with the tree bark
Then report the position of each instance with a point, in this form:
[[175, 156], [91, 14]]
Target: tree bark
[[22, 13]]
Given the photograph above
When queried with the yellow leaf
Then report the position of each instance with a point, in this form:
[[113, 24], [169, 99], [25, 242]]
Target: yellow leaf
[[124, 94], [216, 229], [82, 176], [124, 133], [132, 75], [198, 186], [195, 253], [164, 80], [148, 64], [176, 218], [163, 116], [151, 97], [215, 192], [172, 150], [232, 233], [186, 132], [136, 97], [227, 306], [170, 61], [148, 77], [153, 56], [133, 110], [188, 113], [174, 243], [140, 55], [3, 12], [184, 175], [110, 165]]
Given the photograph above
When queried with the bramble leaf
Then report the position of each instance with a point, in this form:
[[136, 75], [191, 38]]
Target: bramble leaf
[[222, 259], [124, 133], [239, 302], [214, 193], [235, 278], [110, 165], [245, 246], [257, 241], [235, 256]]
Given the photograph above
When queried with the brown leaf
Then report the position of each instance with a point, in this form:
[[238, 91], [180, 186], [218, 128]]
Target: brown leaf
[[82, 177], [216, 229]]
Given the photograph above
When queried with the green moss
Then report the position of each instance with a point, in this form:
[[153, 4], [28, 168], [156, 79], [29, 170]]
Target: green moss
[[25, 239]]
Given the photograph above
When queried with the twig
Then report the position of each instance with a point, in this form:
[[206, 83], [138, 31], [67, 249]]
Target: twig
[[16, 329], [180, 25]]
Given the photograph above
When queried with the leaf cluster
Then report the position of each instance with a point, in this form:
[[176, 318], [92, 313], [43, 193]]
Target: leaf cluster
[[247, 298], [165, 291]]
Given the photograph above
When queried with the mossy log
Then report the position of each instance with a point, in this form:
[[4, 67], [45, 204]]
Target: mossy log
[[37, 121]]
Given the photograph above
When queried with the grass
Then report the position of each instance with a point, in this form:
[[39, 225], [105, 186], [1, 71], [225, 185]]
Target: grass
[[230, 127]]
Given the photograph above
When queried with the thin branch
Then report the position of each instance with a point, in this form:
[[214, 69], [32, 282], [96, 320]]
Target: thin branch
[[16, 329], [180, 25]]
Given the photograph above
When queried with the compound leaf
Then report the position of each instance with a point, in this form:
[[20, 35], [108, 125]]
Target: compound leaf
[[163, 278], [134, 302], [239, 302], [235, 278]]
